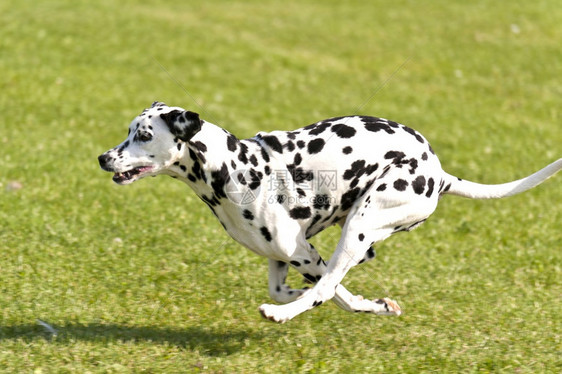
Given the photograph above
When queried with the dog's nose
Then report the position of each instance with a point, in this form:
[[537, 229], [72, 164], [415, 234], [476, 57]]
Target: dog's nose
[[103, 160]]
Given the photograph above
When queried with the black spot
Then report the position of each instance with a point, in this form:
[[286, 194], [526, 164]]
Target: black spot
[[413, 165], [361, 237], [201, 147], [280, 199], [370, 169], [300, 212], [191, 178], [430, 149], [344, 131], [267, 170], [317, 303], [183, 168], [413, 132], [197, 171], [347, 150], [321, 202], [357, 169], [192, 155], [301, 144], [256, 177], [301, 192], [349, 198], [400, 185], [319, 128], [419, 184], [295, 263], [298, 159], [290, 146], [395, 156], [316, 145], [219, 179], [424, 156], [273, 143], [379, 126], [231, 142], [264, 155], [233, 164], [430, 185], [371, 253], [247, 214], [242, 155], [266, 234], [241, 179], [254, 160]]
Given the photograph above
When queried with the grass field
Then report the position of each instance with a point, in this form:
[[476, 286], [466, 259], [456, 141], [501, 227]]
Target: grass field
[[143, 278]]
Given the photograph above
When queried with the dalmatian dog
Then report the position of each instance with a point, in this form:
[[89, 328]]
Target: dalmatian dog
[[371, 176]]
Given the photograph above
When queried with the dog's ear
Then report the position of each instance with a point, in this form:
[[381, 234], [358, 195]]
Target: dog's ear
[[182, 124]]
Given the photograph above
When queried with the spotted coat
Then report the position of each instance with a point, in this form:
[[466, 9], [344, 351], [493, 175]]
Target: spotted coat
[[271, 193]]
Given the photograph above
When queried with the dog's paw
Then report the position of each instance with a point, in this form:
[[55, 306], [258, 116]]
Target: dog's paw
[[273, 313], [388, 307]]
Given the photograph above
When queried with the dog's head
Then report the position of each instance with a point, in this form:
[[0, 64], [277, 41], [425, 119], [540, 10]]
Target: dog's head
[[155, 141]]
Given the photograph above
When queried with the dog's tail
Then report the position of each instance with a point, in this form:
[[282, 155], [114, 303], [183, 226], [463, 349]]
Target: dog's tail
[[459, 187]]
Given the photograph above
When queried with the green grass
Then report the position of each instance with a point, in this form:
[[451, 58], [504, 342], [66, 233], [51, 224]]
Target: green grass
[[143, 278]]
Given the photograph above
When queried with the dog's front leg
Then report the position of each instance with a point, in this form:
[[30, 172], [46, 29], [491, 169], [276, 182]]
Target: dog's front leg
[[278, 290]]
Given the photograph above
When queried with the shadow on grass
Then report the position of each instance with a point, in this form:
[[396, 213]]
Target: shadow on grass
[[208, 341]]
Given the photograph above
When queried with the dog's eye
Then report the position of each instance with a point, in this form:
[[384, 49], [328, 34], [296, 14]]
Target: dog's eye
[[145, 136]]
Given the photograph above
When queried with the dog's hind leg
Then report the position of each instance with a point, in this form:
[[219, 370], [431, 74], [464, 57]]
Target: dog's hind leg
[[366, 224]]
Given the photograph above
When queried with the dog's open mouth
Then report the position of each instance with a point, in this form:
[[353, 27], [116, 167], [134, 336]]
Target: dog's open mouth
[[130, 175]]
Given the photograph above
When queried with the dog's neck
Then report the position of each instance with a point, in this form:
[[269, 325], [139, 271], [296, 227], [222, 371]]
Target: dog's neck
[[204, 168]]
